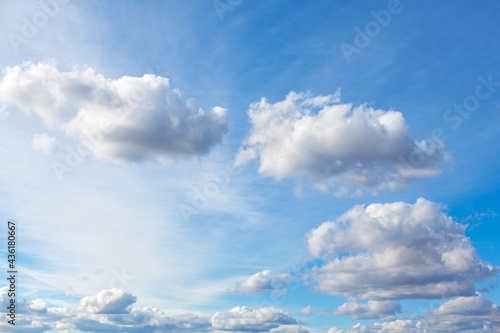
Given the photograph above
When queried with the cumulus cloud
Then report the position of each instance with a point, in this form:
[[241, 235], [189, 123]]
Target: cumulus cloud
[[262, 281], [243, 318], [396, 251], [466, 313], [44, 144], [332, 142], [370, 310], [129, 118], [111, 301], [463, 314]]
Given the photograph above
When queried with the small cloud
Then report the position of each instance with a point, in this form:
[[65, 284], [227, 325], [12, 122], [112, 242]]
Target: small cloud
[[307, 311], [242, 318], [44, 144], [262, 281]]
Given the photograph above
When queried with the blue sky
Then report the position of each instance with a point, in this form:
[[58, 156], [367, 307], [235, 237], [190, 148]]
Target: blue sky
[[321, 166]]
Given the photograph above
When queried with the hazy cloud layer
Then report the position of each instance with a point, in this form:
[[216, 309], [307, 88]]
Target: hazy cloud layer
[[329, 141], [129, 118], [262, 281], [396, 251]]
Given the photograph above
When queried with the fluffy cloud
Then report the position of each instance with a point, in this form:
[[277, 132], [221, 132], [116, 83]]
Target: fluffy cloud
[[44, 144], [111, 301], [463, 314], [243, 318], [370, 310], [396, 251], [329, 141], [129, 118], [262, 281]]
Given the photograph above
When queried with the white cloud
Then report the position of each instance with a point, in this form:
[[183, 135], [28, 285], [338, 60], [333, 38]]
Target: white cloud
[[396, 251], [400, 325], [466, 313], [262, 281], [129, 118], [329, 142], [44, 144], [243, 318], [463, 314], [111, 301], [307, 311], [293, 329], [370, 310]]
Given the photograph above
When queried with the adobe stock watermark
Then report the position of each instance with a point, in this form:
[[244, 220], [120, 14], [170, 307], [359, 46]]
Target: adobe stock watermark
[[208, 191], [223, 6], [455, 116], [31, 26], [372, 29]]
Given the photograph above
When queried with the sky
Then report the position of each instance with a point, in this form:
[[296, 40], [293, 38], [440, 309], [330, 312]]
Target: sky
[[250, 166]]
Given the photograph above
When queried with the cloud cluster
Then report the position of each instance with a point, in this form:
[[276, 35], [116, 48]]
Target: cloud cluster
[[242, 318], [462, 314], [370, 310], [263, 281], [396, 251], [111, 301], [111, 311], [329, 141], [129, 118]]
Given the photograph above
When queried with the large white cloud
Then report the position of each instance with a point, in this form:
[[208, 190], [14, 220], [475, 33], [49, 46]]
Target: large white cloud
[[330, 141], [262, 281], [396, 251], [370, 310], [128, 118], [243, 318]]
